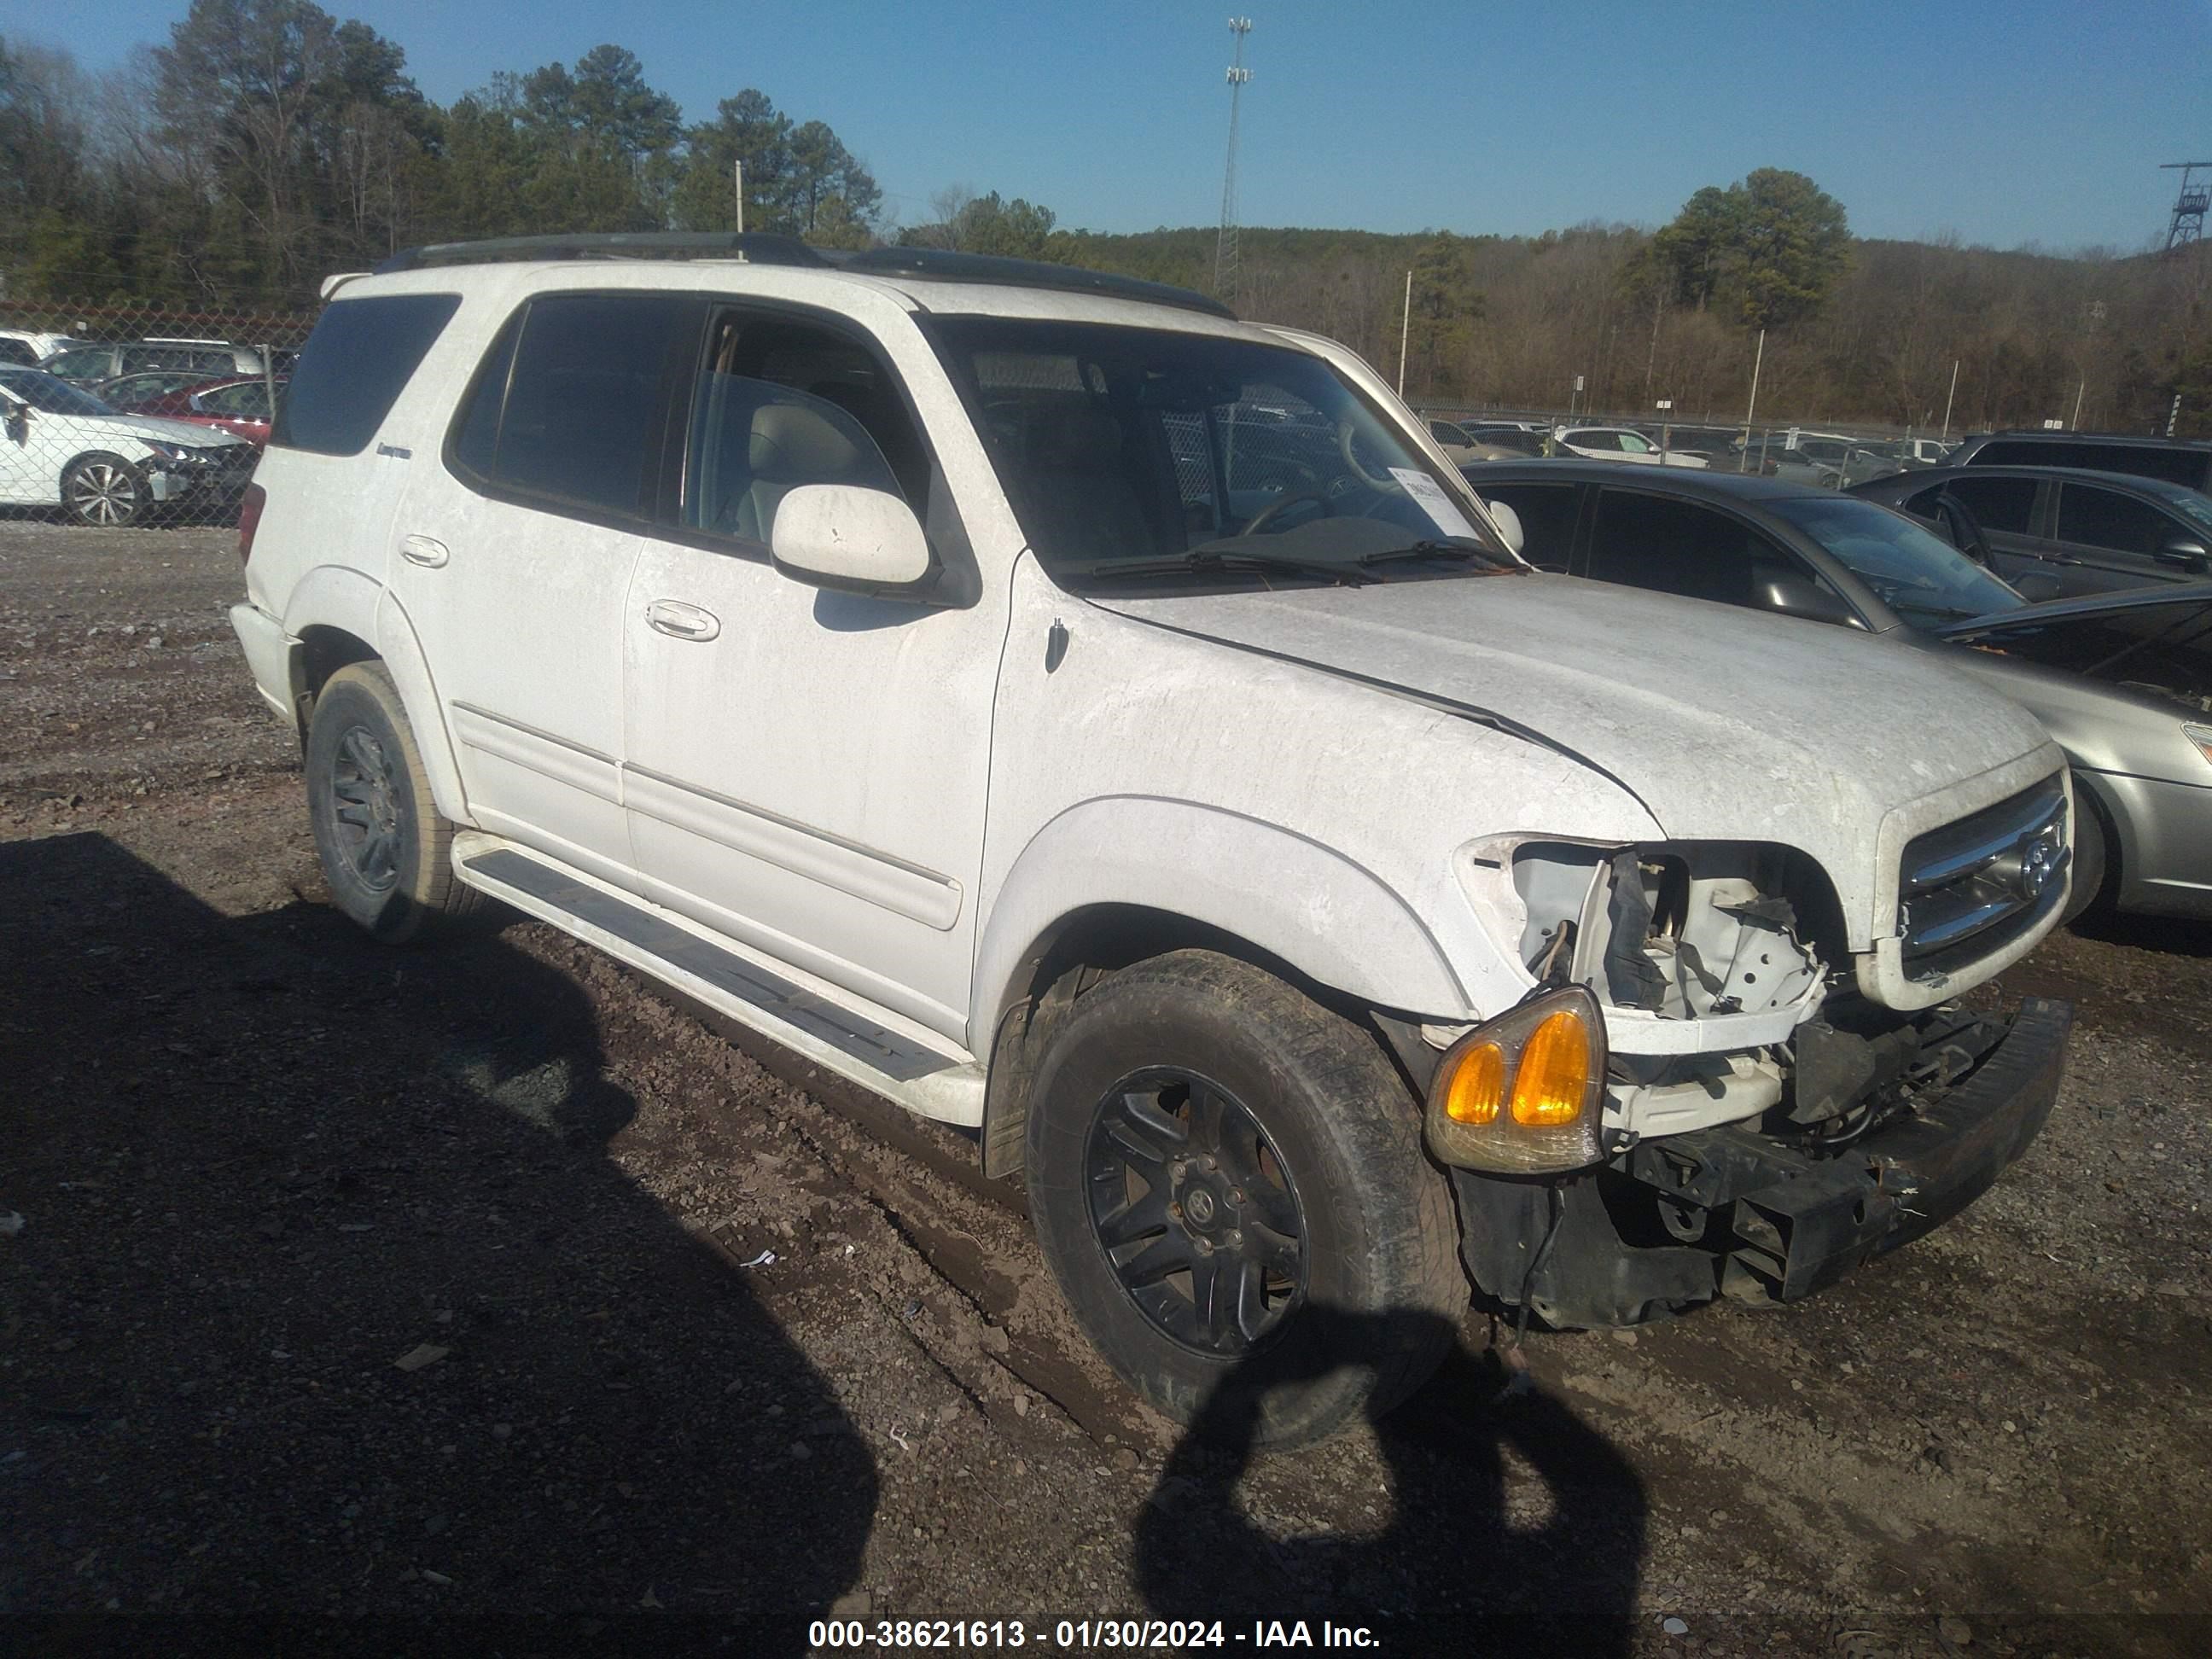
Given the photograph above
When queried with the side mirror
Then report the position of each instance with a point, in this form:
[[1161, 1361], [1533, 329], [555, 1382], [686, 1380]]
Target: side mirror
[[843, 536], [2184, 553], [1508, 523], [18, 424], [1788, 595]]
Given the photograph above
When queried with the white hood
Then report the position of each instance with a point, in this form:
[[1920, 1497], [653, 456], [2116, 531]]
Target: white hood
[[1727, 725]]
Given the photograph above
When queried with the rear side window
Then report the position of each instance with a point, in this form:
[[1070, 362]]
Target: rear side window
[[567, 406], [353, 367], [14, 351], [2007, 505], [2181, 466]]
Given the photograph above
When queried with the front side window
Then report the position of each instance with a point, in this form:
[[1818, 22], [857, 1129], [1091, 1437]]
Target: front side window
[[1121, 444], [1633, 443], [2108, 520], [1445, 433], [1547, 513], [1913, 571], [1679, 547], [93, 365], [2005, 505], [780, 403], [246, 401], [1586, 439], [567, 406]]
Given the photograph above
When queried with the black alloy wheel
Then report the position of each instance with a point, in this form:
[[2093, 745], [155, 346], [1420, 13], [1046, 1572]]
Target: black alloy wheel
[[364, 779], [1195, 1211]]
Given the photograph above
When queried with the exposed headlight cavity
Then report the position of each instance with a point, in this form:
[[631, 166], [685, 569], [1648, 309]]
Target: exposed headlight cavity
[[1682, 932]]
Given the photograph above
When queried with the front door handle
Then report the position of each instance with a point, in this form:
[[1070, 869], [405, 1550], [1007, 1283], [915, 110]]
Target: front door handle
[[680, 621], [421, 550]]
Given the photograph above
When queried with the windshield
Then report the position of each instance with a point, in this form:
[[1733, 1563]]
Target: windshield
[[1123, 444], [50, 396], [1915, 572]]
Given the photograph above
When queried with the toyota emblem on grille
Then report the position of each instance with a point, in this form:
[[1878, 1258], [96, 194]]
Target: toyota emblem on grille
[[2038, 862]]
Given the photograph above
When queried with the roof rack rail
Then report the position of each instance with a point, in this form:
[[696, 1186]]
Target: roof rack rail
[[942, 265], [753, 248]]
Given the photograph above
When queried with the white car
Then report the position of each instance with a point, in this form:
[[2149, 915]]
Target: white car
[[1618, 443], [1118, 730], [25, 348], [62, 447]]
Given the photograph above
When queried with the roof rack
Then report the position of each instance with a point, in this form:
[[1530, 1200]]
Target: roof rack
[[928, 264], [753, 247], [942, 265]]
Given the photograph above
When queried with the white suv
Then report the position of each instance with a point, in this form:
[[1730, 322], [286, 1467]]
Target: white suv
[[1116, 729]]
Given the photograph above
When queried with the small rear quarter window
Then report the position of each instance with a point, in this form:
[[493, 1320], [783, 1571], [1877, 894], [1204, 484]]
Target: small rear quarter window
[[355, 366]]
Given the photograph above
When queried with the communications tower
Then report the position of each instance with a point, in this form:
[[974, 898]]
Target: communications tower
[[1224, 249]]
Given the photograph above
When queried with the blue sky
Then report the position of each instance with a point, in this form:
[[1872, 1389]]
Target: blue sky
[[2007, 122]]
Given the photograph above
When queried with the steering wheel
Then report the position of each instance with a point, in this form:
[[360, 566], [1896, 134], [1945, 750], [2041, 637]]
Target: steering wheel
[[1267, 514], [1385, 484]]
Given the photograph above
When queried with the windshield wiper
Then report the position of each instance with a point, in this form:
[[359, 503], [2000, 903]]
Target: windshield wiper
[[1451, 549], [1207, 560]]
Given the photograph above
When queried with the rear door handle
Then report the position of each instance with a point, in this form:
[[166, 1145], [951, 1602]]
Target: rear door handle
[[680, 621], [421, 550]]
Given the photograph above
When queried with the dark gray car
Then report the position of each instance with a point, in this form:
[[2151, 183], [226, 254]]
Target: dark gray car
[[2089, 532], [2121, 681]]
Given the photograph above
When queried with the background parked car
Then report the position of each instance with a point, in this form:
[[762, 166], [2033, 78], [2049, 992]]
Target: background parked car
[[241, 408], [2176, 462], [88, 364], [1455, 443], [26, 347], [60, 446], [2115, 679], [2092, 532], [1620, 443], [132, 393], [1519, 439]]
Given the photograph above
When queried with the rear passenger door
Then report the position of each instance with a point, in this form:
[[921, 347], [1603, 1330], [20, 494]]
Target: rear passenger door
[[513, 557], [806, 770], [2118, 538]]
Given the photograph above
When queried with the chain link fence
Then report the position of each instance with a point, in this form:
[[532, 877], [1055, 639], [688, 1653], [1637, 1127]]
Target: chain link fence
[[121, 413]]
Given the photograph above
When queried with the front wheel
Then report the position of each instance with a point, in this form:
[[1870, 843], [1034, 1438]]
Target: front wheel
[[105, 491], [1228, 1182]]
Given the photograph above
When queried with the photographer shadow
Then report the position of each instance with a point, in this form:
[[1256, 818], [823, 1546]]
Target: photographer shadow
[[330, 1305], [1469, 1549]]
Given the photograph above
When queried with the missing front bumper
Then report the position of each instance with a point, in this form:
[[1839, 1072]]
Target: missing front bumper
[[1679, 1220]]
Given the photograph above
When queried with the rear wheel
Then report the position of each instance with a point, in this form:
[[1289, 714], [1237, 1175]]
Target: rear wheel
[[385, 851], [105, 491], [1229, 1183]]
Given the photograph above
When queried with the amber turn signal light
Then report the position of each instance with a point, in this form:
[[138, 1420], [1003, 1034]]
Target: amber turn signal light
[[1524, 1094]]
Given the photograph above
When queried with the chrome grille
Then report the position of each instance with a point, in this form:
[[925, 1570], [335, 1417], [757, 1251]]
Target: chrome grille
[[1974, 886]]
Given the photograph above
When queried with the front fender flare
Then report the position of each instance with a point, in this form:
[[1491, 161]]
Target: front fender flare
[[1328, 917]]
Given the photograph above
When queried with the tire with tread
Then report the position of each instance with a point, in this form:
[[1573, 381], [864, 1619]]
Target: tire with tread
[[2096, 874], [1384, 1291], [360, 729], [105, 492]]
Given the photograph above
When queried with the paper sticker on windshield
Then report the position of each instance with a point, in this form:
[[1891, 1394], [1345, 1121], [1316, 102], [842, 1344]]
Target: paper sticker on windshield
[[1430, 496]]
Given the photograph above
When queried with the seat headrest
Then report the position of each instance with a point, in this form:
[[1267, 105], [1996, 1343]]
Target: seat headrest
[[1078, 440], [790, 443]]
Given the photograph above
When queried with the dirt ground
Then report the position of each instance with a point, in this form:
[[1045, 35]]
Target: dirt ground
[[387, 1299]]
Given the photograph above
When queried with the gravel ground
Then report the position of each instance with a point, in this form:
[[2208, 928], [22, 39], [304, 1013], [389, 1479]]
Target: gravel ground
[[361, 1291]]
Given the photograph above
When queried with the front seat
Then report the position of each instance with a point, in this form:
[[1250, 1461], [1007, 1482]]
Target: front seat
[[789, 444], [1091, 508]]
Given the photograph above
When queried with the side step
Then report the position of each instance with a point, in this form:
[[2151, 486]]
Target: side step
[[782, 1003]]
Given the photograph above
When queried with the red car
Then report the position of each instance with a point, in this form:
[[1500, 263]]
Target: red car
[[239, 407]]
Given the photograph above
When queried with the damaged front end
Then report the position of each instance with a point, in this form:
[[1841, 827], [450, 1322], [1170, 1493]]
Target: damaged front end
[[1762, 1127]]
